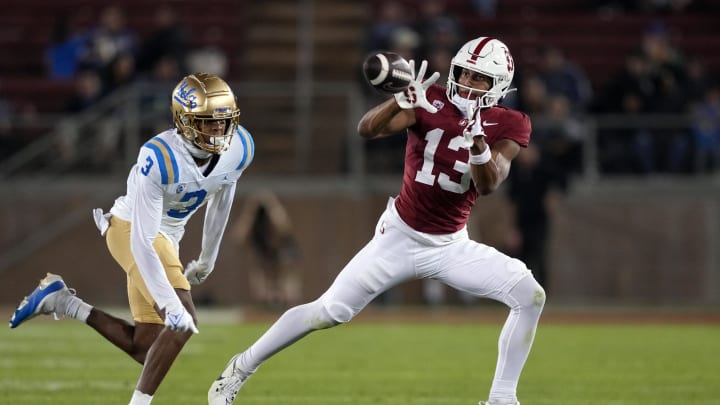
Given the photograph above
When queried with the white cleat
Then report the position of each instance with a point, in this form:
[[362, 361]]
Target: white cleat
[[500, 402], [224, 390], [43, 300]]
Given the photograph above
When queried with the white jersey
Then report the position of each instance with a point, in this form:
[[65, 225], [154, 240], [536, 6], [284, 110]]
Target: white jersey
[[165, 188]]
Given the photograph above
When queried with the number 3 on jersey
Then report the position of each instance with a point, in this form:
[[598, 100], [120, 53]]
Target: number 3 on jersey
[[425, 176]]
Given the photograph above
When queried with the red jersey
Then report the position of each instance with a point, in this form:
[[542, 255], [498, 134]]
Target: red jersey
[[437, 191]]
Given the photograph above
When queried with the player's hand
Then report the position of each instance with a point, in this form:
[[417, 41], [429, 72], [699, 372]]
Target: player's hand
[[179, 319], [474, 127], [196, 272], [414, 96]]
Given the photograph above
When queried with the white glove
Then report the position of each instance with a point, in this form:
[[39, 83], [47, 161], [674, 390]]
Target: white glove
[[415, 96], [179, 319], [196, 272], [102, 220], [474, 127]]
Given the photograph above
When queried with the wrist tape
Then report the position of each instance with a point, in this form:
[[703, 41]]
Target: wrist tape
[[482, 158]]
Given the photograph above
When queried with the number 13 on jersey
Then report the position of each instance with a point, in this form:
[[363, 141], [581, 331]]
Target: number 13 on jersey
[[425, 176]]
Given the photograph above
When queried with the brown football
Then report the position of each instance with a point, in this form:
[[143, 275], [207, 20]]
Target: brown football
[[387, 72]]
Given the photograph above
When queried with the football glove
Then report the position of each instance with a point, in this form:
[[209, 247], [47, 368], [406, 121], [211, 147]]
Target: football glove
[[177, 318], [196, 272], [414, 96], [474, 127]]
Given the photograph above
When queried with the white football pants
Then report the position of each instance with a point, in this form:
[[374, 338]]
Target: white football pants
[[397, 254]]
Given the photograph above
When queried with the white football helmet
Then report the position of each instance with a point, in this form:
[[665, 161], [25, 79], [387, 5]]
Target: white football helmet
[[486, 56]]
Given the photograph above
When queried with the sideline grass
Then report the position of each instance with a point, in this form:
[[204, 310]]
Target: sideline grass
[[64, 362]]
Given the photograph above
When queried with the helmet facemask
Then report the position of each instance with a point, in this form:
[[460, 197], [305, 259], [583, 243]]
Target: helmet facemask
[[191, 128], [483, 98]]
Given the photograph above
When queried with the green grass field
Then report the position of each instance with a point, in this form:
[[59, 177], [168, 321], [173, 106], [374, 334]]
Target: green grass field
[[65, 362]]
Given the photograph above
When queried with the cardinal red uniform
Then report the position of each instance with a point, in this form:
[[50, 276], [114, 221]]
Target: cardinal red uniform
[[422, 234], [437, 193]]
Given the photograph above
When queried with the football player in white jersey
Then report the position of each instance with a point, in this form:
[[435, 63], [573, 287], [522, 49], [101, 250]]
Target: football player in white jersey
[[452, 157], [178, 171]]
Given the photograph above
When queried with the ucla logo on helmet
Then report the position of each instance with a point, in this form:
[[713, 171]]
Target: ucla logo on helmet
[[185, 96]]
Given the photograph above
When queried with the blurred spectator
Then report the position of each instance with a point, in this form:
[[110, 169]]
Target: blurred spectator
[[405, 42], [630, 149], [485, 8], [661, 55], [532, 96], [635, 79], [169, 37], [156, 86], [658, 77], [210, 57], [88, 91], [629, 92], [437, 28], [265, 233], [560, 135], [119, 73], [391, 15], [65, 50], [698, 80], [706, 130], [535, 186], [672, 144], [100, 140], [439, 58], [565, 78], [108, 39]]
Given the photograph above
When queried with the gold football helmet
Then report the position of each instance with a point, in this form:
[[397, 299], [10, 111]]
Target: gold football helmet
[[203, 97]]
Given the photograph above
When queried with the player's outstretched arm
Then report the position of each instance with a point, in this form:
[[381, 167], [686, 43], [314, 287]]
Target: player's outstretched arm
[[216, 219], [398, 113], [385, 119]]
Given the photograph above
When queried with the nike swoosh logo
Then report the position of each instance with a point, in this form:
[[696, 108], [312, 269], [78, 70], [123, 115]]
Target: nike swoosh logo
[[485, 123]]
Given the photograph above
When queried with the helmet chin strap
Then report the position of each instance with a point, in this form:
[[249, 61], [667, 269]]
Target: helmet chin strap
[[462, 103], [195, 151]]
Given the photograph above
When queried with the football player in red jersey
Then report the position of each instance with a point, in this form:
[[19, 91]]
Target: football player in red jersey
[[460, 145]]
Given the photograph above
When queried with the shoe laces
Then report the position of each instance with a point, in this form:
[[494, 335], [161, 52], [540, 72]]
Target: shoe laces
[[232, 385]]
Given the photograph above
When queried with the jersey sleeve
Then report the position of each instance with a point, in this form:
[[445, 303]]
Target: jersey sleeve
[[144, 227], [248, 150], [516, 126], [157, 161], [216, 219]]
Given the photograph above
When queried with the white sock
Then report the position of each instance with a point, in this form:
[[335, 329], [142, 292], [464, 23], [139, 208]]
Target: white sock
[[139, 398], [292, 326], [526, 301], [77, 308]]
